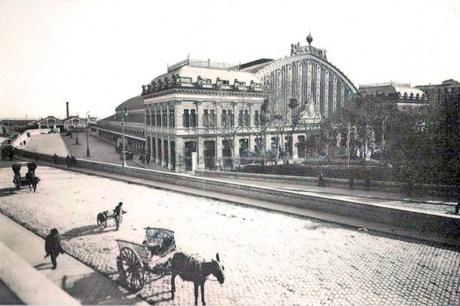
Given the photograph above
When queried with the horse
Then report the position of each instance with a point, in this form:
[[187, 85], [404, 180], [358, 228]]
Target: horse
[[193, 270], [32, 180]]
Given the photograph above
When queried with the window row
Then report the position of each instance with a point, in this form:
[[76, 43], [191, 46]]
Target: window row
[[190, 118], [161, 118]]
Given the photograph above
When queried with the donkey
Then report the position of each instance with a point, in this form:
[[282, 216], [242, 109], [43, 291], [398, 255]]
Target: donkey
[[193, 270]]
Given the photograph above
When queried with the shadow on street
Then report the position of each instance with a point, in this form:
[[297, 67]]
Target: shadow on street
[[102, 296], [84, 231]]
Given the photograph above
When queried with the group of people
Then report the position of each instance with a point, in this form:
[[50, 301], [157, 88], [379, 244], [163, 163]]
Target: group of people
[[70, 160], [145, 159], [53, 245]]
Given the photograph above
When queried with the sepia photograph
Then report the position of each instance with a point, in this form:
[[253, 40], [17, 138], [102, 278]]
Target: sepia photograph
[[230, 152]]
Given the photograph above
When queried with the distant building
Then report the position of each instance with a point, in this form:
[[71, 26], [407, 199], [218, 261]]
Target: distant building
[[110, 129], [74, 123], [448, 90], [402, 95], [50, 122]]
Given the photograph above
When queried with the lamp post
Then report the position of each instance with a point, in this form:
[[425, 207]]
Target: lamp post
[[76, 131], [123, 113], [87, 142]]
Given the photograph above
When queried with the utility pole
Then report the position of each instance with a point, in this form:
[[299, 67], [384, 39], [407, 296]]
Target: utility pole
[[123, 112], [87, 142]]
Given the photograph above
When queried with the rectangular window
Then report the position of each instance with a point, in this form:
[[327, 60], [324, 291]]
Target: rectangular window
[[247, 118], [152, 113], [165, 118], [224, 118], [192, 118], [240, 118], [158, 118], [256, 118], [186, 118], [147, 117], [172, 118], [213, 118], [231, 118], [206, 118]]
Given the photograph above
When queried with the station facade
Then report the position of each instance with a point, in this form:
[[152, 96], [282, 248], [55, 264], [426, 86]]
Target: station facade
[[224, 113]]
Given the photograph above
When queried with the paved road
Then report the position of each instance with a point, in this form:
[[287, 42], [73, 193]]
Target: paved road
[[269, 258], [75, 278]]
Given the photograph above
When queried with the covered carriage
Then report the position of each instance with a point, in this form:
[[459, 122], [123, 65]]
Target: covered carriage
[[137, 262]]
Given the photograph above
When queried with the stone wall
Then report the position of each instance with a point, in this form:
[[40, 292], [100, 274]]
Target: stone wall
[[425, 225]]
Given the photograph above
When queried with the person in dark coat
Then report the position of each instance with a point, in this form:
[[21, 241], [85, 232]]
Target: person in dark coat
[[67, 161], [53, 246], [147, 159], [55, 158], [73, 161], [118, 212]]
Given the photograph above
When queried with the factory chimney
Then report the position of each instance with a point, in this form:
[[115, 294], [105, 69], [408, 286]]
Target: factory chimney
[[67, 109]]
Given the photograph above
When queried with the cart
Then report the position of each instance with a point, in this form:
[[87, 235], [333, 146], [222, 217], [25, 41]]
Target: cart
[[19, 180], [102, 218], [137, 261]]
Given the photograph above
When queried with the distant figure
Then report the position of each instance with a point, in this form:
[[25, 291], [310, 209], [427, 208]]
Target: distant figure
[[351, 182], [141, 158], [73, 161], [118, 214], [67, 160], [321, 179], [147, 159], [55, 157], [53, 246]]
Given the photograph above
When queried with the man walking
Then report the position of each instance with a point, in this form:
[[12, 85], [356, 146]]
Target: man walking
[[118, 212], [53, 246]]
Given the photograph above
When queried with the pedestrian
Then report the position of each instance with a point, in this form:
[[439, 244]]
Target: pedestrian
[[141, 158], [67, 160], [118, 214], [147, 159], [73, 161], [55, 157], [53, 246], [320, 179]]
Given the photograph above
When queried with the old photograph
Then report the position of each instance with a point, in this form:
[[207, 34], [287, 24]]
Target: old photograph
[[230, 152]]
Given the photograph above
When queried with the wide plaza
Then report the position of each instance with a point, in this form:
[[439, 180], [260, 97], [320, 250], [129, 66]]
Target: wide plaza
[[269, 258]]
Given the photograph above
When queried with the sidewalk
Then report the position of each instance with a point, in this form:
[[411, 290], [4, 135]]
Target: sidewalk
[[75, 278]]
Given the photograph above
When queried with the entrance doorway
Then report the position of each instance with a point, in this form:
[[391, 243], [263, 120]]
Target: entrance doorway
[[227, 153], [210, 154], [190, 146]]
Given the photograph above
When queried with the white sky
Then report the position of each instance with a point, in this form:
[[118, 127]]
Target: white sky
[[96, 54]]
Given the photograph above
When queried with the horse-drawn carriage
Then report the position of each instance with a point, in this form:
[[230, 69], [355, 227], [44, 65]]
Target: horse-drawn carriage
[[29, 179], [157, 255], [151, 257]]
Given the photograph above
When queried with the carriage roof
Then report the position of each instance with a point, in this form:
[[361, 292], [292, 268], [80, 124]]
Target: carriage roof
[[157, 233]]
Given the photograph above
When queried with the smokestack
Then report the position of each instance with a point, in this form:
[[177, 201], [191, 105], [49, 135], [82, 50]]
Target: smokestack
[[67, 109]]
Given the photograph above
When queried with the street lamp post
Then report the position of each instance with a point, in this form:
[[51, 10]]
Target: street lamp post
[[87, 141], [123, 112], [76, 132]]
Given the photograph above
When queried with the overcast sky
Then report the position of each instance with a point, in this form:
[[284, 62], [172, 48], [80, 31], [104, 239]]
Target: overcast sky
[[96, 54]]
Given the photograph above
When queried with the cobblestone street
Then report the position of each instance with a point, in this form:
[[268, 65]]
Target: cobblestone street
[[269, 258]]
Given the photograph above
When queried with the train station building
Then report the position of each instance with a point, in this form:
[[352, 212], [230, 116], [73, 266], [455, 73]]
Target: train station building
[[210, 115]]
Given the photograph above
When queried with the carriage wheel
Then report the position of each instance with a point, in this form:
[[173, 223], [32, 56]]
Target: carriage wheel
[[131, 269]]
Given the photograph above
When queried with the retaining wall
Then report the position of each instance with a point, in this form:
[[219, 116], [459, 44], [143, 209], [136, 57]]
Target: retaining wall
[[422, 189], [429, 224]]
